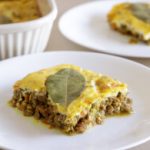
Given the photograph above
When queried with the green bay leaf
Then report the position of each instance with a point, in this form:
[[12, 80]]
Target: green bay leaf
[[64, 86], [141, 11]]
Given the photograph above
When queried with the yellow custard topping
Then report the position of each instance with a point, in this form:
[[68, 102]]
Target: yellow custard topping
[[13, 11]]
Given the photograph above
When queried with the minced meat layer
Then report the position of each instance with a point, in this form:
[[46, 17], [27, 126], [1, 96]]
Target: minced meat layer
[[36, 104], [125, 30]]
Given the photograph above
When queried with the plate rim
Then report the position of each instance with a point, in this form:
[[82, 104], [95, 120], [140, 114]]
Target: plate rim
[[48, 52]]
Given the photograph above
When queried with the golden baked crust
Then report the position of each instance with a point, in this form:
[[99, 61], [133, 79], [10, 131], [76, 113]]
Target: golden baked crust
[[13, 11], [132, 19]]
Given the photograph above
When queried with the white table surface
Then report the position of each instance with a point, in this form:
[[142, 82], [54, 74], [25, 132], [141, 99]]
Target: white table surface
[[57, 42]]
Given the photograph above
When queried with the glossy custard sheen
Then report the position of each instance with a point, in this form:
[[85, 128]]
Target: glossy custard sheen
[[135, 16], [12, 11], [97, 88]]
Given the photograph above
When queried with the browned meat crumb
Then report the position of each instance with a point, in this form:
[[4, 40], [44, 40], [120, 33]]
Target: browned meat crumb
[[36, 104]]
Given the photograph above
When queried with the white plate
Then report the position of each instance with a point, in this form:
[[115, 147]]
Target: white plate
[[87, 25], [19, 132]]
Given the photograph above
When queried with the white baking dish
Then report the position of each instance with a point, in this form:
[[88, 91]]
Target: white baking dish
[[28, 37]]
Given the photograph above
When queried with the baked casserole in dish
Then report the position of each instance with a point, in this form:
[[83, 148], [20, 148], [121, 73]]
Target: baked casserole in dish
[[25, 26]]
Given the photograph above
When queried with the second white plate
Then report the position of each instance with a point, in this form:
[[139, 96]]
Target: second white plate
[[87, 25]]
